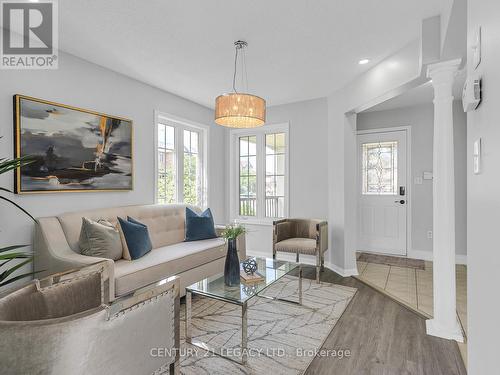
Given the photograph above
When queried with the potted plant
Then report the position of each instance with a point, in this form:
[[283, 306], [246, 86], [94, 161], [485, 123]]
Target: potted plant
[[7, 255], [232, 265]]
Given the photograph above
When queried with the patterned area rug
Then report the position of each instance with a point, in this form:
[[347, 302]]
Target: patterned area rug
[[283, 338]]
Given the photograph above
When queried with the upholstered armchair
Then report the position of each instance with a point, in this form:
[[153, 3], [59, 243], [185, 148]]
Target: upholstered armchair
[[64, 325], [302, 236]]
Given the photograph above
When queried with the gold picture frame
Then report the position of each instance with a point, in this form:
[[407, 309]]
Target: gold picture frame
[[61, 138]]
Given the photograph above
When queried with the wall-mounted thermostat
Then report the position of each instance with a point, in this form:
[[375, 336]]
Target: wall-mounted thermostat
[[471, 94]]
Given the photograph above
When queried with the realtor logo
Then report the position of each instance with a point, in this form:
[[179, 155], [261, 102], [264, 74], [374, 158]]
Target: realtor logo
[[29, 34]]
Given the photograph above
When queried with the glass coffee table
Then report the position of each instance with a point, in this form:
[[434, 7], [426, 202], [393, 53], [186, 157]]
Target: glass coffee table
[[213, 287]]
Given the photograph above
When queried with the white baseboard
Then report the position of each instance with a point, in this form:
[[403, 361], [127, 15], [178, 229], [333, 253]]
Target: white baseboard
[[427, 255], [342, 271], [306, 259], [420, 254], [434, 329]]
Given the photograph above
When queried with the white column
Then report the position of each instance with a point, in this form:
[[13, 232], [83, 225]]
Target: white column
[[445, 323]]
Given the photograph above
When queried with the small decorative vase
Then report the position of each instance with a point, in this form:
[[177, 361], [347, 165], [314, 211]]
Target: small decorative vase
[[232, 266]]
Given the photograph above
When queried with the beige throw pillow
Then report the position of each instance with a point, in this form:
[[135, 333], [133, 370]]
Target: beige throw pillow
[[100, 239], [125, 252]]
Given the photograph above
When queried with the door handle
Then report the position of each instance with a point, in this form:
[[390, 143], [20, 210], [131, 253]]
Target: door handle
[[402, 201]]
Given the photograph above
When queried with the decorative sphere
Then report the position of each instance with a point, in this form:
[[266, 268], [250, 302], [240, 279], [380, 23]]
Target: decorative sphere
[[250, 266], [249, 289]]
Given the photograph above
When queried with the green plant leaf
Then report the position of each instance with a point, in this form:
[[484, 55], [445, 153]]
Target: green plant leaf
[[8, 165], [11, 280], [8, 248], [9, 271], [4, 263], [233, 231], [18, 206], [6, 256], [15, 256]]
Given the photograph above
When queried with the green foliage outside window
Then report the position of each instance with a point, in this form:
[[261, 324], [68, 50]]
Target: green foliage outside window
[[191, 179], [166, 180]]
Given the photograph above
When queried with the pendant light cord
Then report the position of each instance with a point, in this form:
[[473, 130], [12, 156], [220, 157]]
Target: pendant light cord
[[240, 44], [245, 76], [235, 65]]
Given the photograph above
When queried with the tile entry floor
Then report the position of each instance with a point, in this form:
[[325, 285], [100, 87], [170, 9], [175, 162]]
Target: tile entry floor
[[413, 288]]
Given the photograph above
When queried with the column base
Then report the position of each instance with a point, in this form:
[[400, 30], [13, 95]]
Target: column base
[[433, 328]]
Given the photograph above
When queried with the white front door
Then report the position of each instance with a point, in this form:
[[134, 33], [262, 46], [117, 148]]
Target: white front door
[[382, 192]]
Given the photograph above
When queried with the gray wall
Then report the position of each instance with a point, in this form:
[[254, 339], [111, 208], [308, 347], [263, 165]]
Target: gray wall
[[421, 120], [308, 166], [83, 84], [308, 155], [483, 198]]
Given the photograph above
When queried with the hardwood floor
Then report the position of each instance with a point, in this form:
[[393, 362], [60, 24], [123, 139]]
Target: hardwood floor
[[383, 338]]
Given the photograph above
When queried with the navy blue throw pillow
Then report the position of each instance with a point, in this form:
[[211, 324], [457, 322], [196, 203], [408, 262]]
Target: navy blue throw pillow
[[199, 227], [132, 220], [137, 237]]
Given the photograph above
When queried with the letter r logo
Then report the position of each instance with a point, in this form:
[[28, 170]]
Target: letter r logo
[[28, 28]]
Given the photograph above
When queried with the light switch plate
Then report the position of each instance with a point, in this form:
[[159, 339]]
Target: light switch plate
[[476, 156], [418, 180]]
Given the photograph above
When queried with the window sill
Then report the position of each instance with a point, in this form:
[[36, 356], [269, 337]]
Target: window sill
[[264, 222]]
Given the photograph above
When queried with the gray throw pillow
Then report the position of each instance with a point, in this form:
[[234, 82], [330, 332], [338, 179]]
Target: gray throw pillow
[[100, 239]]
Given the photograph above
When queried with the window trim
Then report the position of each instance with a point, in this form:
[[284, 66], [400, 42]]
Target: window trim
[[261, 183], [181, 124]]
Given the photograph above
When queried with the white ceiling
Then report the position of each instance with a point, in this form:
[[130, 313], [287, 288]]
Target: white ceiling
[[420, 95], [297, 50]]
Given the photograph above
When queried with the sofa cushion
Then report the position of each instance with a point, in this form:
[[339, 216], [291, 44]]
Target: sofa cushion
[[165, 261], [294, 245], [199, 227]]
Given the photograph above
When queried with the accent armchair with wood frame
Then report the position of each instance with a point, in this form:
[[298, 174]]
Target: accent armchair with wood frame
[[64, 324], [302, 236]]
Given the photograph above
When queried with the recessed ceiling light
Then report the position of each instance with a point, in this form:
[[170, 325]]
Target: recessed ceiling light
[[363, 61]]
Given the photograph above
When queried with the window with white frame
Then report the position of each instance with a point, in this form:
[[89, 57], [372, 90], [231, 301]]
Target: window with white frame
[[181, 170], [248, 175], [260, 179], [275, 175]]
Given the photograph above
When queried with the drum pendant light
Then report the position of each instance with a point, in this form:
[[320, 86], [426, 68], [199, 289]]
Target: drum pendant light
[[239, 110]]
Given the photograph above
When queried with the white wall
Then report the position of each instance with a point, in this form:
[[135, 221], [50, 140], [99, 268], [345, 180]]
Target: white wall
[[83, 84], [421, 120], [308, 155], [483, 198], [308, 165], [393, 76]]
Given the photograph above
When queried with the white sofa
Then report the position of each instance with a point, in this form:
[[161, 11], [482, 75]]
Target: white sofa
[[56, 248]]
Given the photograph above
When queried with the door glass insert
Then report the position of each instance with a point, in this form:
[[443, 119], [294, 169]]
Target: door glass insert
[[380, 168]]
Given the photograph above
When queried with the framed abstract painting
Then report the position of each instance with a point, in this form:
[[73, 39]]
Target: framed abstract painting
[[74, 150]]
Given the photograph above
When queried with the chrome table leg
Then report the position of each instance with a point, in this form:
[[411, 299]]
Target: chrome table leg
[[244, 333], [188, 316], [300, 284]]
